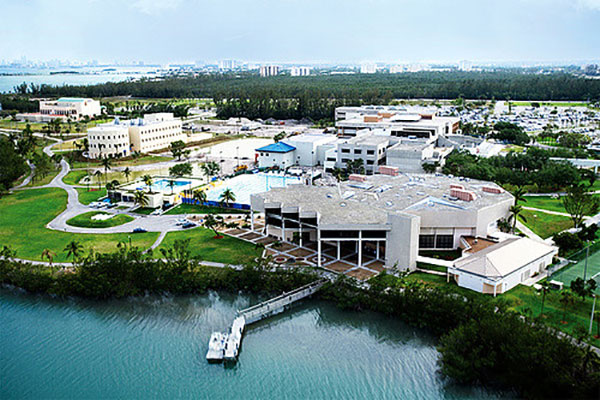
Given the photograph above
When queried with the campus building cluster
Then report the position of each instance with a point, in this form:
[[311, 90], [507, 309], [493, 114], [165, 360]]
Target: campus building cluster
[[73, 108], [389, 218], [376, 136], [121, 138]]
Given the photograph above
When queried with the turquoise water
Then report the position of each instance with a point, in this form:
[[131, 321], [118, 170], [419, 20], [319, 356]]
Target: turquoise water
[[246, 184], [154, 347], [162, 185]]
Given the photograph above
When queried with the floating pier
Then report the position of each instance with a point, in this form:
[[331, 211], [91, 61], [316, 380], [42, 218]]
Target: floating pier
[[226, 346]]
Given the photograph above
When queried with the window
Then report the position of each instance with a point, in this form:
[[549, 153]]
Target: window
[[369, 162], [370, 152], [345, 150], [357, 151], [444, 241], [426, 241]]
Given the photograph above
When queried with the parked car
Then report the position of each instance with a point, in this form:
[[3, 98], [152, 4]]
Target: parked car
[[156, 212], [188, 225], [139, 230]]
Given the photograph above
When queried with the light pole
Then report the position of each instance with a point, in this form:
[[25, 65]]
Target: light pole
[[592, 315], [237, 150]]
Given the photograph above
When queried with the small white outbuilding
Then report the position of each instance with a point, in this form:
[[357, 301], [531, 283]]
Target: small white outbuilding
[[502, 266]]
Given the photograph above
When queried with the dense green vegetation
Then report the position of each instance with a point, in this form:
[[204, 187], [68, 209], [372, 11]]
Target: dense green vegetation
[[197, 209], [532, 169], [12, 164], [315, 97], [85, 220], [24, 214]]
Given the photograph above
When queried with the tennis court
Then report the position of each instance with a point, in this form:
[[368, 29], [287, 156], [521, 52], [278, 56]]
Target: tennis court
[[578, 269]]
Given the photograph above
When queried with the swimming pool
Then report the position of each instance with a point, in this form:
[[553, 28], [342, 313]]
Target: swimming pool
[[244, 185], [162, 185]]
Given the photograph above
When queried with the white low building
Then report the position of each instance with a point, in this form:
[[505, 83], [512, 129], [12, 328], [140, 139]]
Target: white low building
[[109, 140], [74, 108], [502, 266], [278, 154]]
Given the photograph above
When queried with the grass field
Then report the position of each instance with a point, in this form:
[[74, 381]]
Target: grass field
[[24, 214], [73, 177], [86, 197], [143, 160], [550, 104], [41, 181], [85, 220], [527, 300], [118, 175], [144, 210], [196, 209], [544, 224], [228, 250], [545, 203]]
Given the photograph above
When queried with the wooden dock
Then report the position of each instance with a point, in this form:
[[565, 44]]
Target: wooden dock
[[261, 311]]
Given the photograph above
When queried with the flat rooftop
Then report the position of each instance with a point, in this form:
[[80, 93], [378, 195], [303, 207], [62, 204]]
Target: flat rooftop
[[370, 202]]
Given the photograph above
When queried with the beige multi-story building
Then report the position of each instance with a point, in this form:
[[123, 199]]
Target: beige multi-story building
[[155, 132], [121, 138], [109, 140]]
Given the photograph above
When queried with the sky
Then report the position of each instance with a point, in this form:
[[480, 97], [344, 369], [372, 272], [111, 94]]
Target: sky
[[328, 31]]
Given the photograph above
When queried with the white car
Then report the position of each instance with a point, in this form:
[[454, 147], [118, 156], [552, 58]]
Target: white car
[[156, 212]]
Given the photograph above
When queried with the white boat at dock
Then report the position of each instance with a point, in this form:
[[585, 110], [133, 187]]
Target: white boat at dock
[[216, 347]]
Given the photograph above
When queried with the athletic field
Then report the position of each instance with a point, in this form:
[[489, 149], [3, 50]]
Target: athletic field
[[576, 270]]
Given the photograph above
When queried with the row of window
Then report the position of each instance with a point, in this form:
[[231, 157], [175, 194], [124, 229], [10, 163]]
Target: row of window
[[436, 241], [152, 139], [122, 136]]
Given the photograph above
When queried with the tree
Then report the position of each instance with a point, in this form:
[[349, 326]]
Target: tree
[[112, 185], [210, 169], [280, 136], [566, 299], [355, 166], [579, 203], [171, 184], [12, 165], [98, 175], [199, 196], [430, 168], [73, 249], [126, 173], [583, 288], [49, 254], [140, 198], [178, 150], [106, 164], [179, 170], [545, 289], [567, 242], [519, 194], [515, 212], [214, 223], [227, 196], [147, 179]]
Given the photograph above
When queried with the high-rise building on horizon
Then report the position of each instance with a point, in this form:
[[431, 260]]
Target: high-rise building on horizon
[[269, 70]]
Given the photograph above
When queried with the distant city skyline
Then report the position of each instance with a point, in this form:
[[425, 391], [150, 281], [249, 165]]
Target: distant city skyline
[[310, 32]]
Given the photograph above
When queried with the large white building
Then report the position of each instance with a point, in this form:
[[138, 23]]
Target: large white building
[[300, 71], [151, 133], [384, 218], [73, 108], [269, 70]]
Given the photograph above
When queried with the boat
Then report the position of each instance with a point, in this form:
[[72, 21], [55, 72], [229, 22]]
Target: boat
[[234, 339], [216, 347]]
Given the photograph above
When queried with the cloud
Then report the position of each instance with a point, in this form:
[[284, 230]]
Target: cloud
[[155, 7]]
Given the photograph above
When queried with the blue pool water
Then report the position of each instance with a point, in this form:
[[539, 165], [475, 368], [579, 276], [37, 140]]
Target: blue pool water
[[162, 185], [245, 185]]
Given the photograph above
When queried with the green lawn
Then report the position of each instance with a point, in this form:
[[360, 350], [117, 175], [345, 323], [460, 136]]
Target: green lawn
[[143, 160], [544, 224], [85, 220], [144, 210], [24, 214], [227, 250], [86, 197], [41, 181], [442, 254], [551, 104], [544, 203], [73, 177], [527, 300], [196, 209]]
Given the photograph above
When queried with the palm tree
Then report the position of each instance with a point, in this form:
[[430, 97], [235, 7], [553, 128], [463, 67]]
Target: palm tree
[[227, 196], [199, 196], [566, 298], [171, 184], [127, 173], [148, 182], [73, 249], [140, 198], [98, 175], [106, 164], [515, 212], [213, 223], [49, 254], [545, 289], [519, 194]]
